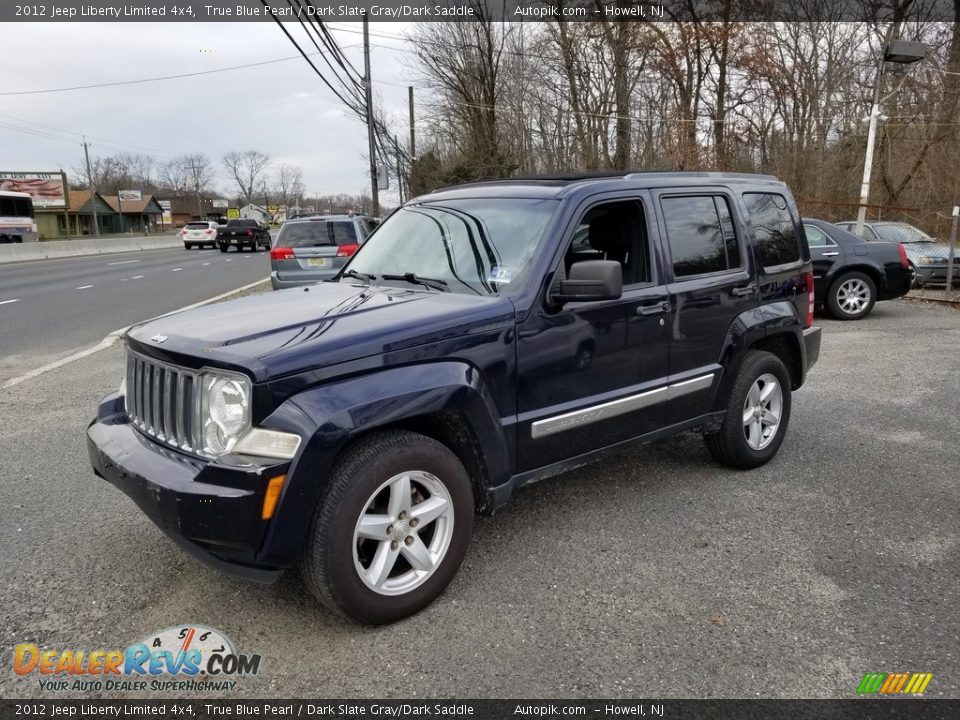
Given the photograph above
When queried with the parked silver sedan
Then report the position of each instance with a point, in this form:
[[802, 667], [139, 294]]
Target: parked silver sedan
[[310, 249]]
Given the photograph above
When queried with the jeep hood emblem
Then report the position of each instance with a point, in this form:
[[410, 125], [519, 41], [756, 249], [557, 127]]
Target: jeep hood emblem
[[159, 338]]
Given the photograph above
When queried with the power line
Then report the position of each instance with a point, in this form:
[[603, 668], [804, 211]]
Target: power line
[[74, 132], [153, 79]]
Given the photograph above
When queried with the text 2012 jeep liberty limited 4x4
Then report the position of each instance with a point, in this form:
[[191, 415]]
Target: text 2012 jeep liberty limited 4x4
[[484, 337]]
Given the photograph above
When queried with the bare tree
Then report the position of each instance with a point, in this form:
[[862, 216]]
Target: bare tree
[[247, 168], [288, 183]]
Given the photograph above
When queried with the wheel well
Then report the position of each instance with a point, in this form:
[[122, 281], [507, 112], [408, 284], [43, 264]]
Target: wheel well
[[453, 430], [787, 348], [870, 272]]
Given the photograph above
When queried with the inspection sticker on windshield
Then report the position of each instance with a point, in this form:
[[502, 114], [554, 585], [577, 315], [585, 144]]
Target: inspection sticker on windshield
[[500, 274]]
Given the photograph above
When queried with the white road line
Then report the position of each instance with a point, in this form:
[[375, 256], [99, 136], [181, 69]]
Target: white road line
[[136, 277], [123, 262], [230, 260], [176, 270], [114, 336], [83, 287], [206, 263], [7, 302]]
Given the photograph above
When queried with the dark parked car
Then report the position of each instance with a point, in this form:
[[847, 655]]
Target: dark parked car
[[927, 256], [308, 250], [352, 428], [243, 233], [850, 274]]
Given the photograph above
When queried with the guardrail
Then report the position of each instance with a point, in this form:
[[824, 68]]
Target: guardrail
[[21, 252]]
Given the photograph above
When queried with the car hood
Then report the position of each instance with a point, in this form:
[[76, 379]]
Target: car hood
[[290, 331]]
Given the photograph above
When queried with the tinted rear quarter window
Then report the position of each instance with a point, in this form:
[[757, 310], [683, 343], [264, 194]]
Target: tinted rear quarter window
[[776, 241], [700, 234], [314, 233], [198, 226]]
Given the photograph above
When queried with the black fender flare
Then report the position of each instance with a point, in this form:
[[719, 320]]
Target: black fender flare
[[776, 322], [331, 415]]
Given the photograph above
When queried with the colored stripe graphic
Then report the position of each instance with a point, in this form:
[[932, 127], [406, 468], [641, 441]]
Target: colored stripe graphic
[[871, 683], [894, 683]]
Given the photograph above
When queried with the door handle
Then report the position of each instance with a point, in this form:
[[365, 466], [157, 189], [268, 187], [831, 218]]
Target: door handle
[[743, 291], [654, 308], [829, 254]]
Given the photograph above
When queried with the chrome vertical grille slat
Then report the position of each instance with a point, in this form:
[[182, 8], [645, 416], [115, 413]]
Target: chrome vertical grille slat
[[163, 401]]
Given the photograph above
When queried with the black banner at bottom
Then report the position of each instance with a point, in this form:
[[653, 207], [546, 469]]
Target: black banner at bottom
[[887, 709]]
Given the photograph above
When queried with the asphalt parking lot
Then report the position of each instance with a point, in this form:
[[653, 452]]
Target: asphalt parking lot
[[654, 574]]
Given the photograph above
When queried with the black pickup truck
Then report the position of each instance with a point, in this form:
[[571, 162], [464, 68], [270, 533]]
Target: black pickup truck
[[243, 233], [485, 337]]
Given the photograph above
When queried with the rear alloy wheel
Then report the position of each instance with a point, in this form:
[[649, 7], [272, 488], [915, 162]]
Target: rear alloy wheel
[[852, 296], [391, 529], [757, 413]]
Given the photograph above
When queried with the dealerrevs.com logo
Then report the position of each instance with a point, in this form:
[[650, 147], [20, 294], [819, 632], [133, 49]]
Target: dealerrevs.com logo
[[176, 659]]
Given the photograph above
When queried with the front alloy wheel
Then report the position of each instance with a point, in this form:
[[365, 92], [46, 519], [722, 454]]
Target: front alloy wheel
[[403, 534], [391, 528]]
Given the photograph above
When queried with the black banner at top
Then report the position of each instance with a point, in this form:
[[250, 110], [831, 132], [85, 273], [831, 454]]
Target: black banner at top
[[475, 10]]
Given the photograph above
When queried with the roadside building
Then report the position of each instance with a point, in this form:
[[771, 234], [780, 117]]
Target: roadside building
[[138, 216], [255, 212], [183, 209], [77, 218]]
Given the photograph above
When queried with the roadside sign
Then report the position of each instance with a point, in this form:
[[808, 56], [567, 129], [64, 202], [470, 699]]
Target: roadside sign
[[130, 195], [233, 213]]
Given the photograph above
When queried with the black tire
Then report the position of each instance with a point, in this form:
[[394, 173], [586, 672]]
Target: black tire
[[187, 246], [730, 446], [327, 562], [224, 248], [868, 289]]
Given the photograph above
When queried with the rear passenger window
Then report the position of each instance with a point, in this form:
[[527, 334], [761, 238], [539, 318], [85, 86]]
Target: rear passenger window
[[700, 234], [816, 237], [775, 235]]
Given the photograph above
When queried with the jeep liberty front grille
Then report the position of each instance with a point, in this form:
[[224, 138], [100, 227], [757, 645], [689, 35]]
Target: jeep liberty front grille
[[163, 400]]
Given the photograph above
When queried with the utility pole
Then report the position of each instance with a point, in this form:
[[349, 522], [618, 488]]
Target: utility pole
[[368, 91], [396, 145], [195, 169], [93, 190], [413, 138]]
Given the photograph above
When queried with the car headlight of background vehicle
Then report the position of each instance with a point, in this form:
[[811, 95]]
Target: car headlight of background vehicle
[[933, 261]]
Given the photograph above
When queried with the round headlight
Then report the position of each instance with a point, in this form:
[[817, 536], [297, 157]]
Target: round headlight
[[227, 403]]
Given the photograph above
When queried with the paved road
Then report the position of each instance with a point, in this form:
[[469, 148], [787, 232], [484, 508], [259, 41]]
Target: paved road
[[655, 574], [51, 308]]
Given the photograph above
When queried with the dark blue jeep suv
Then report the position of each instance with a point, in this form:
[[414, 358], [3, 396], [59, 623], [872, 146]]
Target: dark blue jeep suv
[[484, 337]]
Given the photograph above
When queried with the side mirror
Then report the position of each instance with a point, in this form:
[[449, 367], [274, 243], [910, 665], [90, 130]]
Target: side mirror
[[591, 280]]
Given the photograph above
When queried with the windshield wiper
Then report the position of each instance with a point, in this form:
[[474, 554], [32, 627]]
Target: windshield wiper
[[365, 277], [410, 277]]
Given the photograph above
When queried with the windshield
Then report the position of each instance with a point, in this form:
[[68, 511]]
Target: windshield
[[477, 246], [901, 234]]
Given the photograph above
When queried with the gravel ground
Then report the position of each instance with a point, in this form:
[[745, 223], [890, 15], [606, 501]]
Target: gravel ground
[[653, 574]]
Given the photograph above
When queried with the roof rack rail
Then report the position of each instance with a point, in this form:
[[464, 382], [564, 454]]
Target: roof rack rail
[[567, 178]]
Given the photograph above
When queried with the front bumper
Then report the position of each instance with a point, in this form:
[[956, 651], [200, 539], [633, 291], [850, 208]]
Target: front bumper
[[211, 509], [937, 274]]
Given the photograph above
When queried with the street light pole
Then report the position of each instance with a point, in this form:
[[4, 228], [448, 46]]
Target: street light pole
[[896, 51], [868, 160]]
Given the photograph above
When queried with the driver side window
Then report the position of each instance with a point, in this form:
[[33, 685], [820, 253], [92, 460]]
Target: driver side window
[[613, 231]]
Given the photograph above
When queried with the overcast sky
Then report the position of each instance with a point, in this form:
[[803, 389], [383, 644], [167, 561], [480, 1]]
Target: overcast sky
[[282, 109]]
